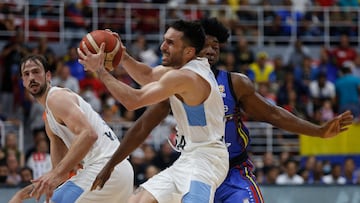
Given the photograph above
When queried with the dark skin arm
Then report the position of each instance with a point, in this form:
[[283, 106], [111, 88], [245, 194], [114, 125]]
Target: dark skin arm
[[133, 138], [259, 109]]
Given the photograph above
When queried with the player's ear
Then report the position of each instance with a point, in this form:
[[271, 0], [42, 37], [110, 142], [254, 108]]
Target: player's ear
[[48, 76], [190, 51]]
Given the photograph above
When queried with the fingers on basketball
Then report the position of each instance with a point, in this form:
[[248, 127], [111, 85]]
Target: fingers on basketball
[[113, 50]]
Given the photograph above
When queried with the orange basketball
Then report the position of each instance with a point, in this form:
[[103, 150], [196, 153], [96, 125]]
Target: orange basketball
[[112, 50]]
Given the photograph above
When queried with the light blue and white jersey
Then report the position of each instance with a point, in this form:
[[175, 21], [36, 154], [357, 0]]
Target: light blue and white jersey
[[201, 125], [107, 141]]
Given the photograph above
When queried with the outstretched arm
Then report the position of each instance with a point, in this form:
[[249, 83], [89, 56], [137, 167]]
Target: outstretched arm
[[133, 138], [259, 109]]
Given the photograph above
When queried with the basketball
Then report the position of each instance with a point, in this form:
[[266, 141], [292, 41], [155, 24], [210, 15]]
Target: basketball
[[112, 50]]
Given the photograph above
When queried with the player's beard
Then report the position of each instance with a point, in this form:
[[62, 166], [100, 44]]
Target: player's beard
[[41, 91]]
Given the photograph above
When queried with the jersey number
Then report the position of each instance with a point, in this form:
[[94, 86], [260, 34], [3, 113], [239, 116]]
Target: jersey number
[[180, 142], [109, 135]]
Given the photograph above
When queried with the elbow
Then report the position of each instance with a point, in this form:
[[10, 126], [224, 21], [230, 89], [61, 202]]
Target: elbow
[[92, 136], [130, 106]]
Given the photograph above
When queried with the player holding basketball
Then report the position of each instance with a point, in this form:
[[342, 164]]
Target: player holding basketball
[[240, 184], [197, 107], [77, 135]]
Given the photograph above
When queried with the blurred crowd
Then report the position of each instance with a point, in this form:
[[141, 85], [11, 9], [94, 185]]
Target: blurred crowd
[[316, 88], [310, 20]]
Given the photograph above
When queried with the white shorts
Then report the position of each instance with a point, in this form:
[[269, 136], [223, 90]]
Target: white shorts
[[194, 177], [118, 188]]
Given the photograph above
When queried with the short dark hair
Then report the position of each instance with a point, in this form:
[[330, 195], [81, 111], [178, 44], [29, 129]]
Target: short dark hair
[[193, 33], [215, 28], [36, 58]]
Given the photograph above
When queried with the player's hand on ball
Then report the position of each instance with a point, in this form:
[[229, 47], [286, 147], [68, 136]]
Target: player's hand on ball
[[92, 62]]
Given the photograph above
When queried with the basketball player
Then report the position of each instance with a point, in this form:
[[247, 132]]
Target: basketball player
[[239, 94], [77, 135], [240, 184], [197, 107]]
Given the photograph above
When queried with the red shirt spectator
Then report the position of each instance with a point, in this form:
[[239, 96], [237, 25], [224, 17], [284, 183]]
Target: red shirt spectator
[[344, 52]]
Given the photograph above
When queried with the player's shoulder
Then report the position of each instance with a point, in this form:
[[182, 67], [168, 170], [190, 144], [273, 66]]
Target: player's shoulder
[[59, 95], [241, 81]]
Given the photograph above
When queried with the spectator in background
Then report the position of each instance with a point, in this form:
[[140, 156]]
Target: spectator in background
[[71, 59], [327, 66], [35, 120], [166, 156], [146, 18], [162, 131], [11, 147], [89, 95], [265, 91], [305, 72], [296, 54], [347, 92], [343, 52], [44, 49], [11, 55], [311, 25], [309, 167], [244, 56], [270, 175], [348, 3], [350, 172], [356, 66], [262, 70], [139, 166], [149, 153], [40, 160], [92, 82], [37, 135], [326, 3], [228, 63], [273, 29], [13, 177], [110, 111], [26, 175], [142, 52], [63, 78], [335, 176], [327, 112], [318, 172], [290, 176], [280, 72], [288, 18], [292, 93], [322, 90]]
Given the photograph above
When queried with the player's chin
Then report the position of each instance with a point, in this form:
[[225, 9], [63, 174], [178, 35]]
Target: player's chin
[[164, 61]]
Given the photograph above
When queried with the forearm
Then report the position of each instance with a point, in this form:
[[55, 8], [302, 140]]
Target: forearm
[[120, 91], [57, 152], [283, 119], [57, 147], [140, 72], [137, 134], [76, 153]]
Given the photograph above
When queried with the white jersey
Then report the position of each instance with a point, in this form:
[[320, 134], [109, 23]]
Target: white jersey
[[201, 125], [105, 145]]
